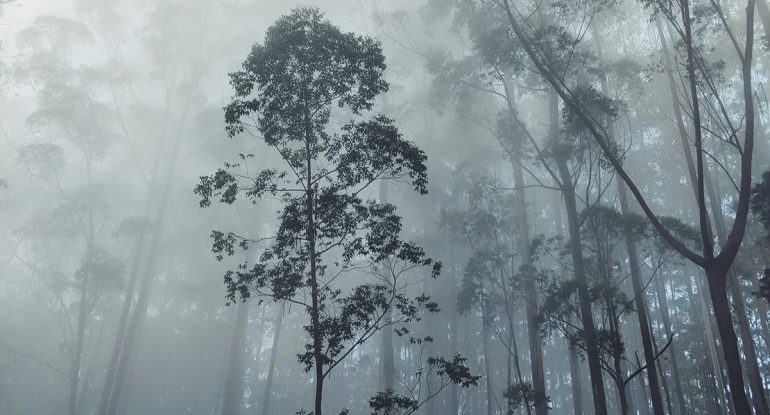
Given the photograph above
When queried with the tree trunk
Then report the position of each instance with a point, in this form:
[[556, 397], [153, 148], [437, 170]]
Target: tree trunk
[[622, 397], [764, 17], [277, 323], [487, 365], [717, 283], [636, 272], [530, 292], [233, 386], [77, 352], [256, 363], [586, 316], [709, 344], [576, 383], [386, 348], [736, 389], [576, 249], [128, 299], [140, 310], [747, 338], [315, 310], [666, 318], [641, 305]]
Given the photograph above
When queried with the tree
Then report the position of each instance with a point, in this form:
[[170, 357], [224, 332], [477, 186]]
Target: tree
[[715, 260], [285, 96]]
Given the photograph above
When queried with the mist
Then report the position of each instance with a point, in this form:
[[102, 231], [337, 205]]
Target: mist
[[379, 207]]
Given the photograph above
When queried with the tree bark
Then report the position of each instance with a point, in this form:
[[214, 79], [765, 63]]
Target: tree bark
[[128, 299], [666, 318], [386, 348], [277, 323], [532, 307], [586, 315], [576, 383], [576, 249], [487, 365], [717, 283], [77, 352], [233, 386], [315, 310]]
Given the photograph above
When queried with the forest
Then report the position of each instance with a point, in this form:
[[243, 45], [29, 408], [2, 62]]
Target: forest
[[385, 207]]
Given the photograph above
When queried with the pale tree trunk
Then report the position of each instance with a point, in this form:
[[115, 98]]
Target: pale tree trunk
[[530, 291], [487, 363], [454, 404], [576, 383], [128, 299], [277, 323], [133, 329], [233, 385], [531, 300], [77, 352], [256, 362], [576, 249], [641, 305], [636, 272], [710, 341], [764, 17], [386, 347], [666, 318]]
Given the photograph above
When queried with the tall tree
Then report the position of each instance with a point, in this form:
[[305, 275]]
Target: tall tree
[[285, 96], [715, 261]]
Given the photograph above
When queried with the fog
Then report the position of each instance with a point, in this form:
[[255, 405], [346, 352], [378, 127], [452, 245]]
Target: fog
[[379, 207]]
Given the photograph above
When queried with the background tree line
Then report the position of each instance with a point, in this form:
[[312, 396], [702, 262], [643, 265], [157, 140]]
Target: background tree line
[[445, 206]]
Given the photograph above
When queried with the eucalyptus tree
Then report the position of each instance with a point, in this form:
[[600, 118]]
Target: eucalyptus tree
[[489, 283], [328, 236], [170, 101], [716, 261], [70, 119]]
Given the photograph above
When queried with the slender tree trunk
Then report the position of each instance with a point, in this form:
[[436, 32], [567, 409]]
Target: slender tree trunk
[[277, 323], [233, 386], [764, 17], [487, 363], [641, 306], [133, 329], [636, 273], [586, 316], [130, 340], [454, 403], [576, 248], [636, 282], [315, 310], [530, 291], [77, 352], [531, 299], [386, 348], [576, 382], [128, 299], [256, 363], [712, 269], [666, 318], [709, 343]]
